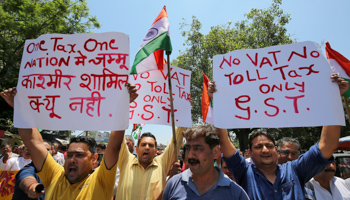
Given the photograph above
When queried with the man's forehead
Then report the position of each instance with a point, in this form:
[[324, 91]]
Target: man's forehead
[[78, 146], [261, 140], [147, 140], [196, 141], [289, 145], [76, 151]]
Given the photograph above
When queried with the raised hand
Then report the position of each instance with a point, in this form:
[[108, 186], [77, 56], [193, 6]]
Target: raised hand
[[9, 95], [343, 84]]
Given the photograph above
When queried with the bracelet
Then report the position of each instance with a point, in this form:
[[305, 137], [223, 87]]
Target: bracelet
[[30, 185]]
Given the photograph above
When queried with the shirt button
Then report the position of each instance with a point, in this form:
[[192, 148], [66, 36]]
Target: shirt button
[[275, 190]]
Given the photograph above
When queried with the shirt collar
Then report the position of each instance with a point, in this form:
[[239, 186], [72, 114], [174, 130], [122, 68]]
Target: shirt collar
[[136, 161], [223, 180]]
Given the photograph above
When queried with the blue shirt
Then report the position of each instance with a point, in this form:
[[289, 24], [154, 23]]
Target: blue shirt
[[28, 170], [181, 186], [290, 180]]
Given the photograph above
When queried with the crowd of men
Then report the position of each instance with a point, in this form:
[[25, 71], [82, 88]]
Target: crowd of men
[[216, 170]]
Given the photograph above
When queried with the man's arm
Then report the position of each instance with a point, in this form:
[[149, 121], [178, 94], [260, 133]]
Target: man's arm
[[112, 150], [116, 138], [28, 185], [31, 137], [330, 134], [227, 148]]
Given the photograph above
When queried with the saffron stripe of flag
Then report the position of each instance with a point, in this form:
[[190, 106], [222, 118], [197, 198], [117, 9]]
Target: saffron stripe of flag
[[207, 110], [151, 53], [339, 64]]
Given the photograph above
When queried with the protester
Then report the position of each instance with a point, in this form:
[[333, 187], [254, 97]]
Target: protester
[[15, 149], [225, 170], [202, 180], [57, 156], [326, 185], [62, 148], [27, 182], [145, 177], [101, 147], [130, 142], [75, 180], [6, 151], [15, 163], [265, 179], [288, 150]]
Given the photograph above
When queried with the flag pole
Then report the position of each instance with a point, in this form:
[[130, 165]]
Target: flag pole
[[347, 107], [172, 107]]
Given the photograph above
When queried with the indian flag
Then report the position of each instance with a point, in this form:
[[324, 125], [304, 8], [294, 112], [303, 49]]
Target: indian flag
[[136, 131], [151, 53], [207, 104], [339, 64]]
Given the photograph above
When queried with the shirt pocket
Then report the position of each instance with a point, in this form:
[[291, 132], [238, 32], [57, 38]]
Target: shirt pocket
[[287, 187]]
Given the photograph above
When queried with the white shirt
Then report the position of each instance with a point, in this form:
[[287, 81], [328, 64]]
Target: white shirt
[[339, 189], [14, 164]]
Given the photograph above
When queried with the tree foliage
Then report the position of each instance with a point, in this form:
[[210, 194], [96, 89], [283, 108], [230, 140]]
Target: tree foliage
[[261, 28], [28, 19]]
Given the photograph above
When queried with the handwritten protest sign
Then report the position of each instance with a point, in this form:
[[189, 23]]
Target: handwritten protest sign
[[153, 105], [74, 82], [278, 86]]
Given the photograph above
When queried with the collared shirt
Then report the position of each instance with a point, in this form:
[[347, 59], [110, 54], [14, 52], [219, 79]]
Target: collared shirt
[[14, 164], [339, 189], [136, 182], [97, 185], [181, 186], [290, 177], [26, 171]]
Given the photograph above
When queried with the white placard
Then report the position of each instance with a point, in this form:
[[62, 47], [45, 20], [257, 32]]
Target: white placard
[[153, 105], [278, 86], [74, 82]]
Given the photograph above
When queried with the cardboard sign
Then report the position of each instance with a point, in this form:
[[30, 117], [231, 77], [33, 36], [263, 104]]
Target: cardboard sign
[[278, 86], [153, 105], [74, 82]]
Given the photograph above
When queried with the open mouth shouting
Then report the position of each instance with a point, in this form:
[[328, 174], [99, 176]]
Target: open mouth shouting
[[145, 154], [193, 162], [72, 170]]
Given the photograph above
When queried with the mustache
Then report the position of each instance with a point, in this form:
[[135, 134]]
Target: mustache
[[193, 160], [72, 165], [329, 170]]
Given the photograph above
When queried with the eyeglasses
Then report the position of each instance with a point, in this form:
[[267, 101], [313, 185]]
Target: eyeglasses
[[286, 153]]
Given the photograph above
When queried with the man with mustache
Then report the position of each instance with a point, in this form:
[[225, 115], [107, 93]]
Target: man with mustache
[[145, 177], [202, 180], [16, 163], [265, 179], [327, 186], [75, 180]]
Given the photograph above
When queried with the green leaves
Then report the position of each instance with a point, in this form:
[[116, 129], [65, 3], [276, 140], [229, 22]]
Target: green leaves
[[28, 19]]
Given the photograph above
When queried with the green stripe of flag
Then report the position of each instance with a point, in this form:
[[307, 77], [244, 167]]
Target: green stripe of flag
[[347, 93], [160, 42]]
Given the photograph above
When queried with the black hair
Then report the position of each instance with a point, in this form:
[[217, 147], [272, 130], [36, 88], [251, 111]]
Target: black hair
[[147, 134], [208, 131], [101, 145], [87, 140], [4, 144], [260, 133], [63, 147]]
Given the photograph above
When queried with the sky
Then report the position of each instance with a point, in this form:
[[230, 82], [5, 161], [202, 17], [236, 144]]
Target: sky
[[319, 21]]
